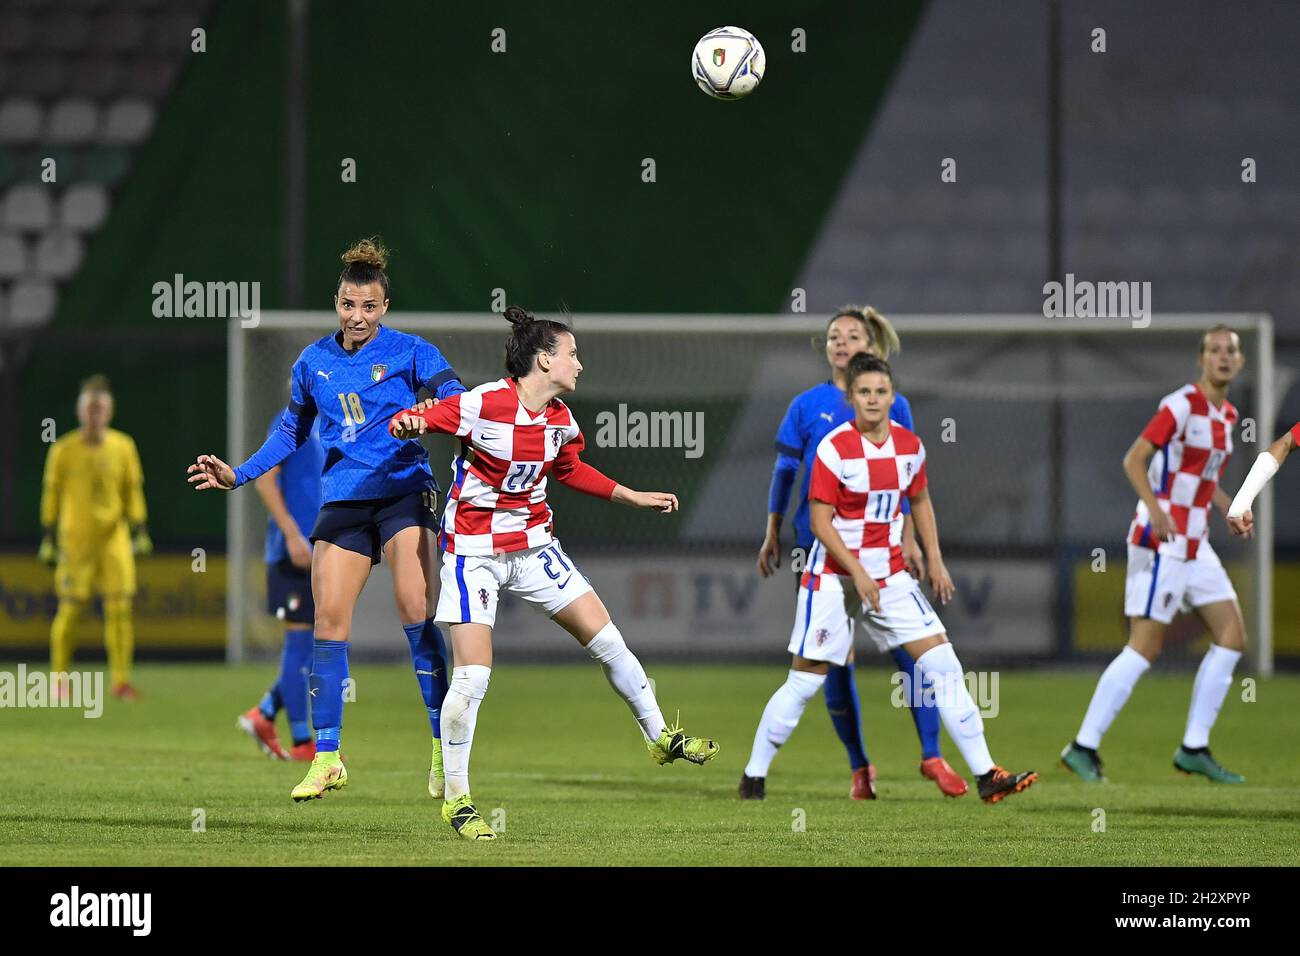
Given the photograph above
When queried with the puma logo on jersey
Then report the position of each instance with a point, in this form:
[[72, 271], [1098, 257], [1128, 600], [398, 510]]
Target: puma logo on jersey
[[828, 416], [325, 375]]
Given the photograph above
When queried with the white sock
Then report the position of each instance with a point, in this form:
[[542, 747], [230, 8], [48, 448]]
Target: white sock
[[1213, 678], [626, 675], [780, 717], [957, 710], [468, 686], [1113, 687]]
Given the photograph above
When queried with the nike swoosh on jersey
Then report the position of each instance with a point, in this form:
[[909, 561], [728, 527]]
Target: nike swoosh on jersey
[[566, 581], [927, 623]]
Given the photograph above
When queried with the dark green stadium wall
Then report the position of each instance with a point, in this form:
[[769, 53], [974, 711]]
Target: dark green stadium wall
[[519, 170]]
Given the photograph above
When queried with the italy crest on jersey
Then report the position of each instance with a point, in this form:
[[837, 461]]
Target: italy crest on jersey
[[377, 372]]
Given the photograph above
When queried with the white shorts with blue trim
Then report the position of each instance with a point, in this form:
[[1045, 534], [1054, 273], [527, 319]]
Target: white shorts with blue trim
[[1159, 586], [545, 577], [825, 616]]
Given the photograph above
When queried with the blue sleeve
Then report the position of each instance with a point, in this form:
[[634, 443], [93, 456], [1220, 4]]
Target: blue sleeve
[[789, 455], [290, 433], [434, 372], [783, 475], [902, 413], [789, 437]]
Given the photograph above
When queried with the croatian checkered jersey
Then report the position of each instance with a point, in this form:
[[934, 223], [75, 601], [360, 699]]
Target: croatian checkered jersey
[[497, 502], [1193, 441], [866, 483]]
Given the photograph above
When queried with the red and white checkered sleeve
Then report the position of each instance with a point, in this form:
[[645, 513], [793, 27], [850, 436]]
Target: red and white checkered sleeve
[[455, 415], [825, 483], [1170, 420], [919, 479]]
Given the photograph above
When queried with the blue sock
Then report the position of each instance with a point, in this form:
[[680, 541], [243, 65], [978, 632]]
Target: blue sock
[[329, 671], [295, 665], [921, 706], [429, 658], [272, 701], [842, 702]]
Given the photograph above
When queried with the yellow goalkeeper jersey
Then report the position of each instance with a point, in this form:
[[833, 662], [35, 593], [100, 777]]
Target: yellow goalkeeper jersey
[[89, 490]]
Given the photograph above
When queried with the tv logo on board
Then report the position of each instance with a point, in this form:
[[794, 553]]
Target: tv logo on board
[[1098, 300], [74, 909], [208, 300]]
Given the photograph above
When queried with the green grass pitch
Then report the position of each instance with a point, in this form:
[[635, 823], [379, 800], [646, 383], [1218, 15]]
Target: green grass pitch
[[560, 757]]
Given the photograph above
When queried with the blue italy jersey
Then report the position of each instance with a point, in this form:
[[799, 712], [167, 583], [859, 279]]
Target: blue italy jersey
[[354, 395], [808, 419], [299, 481]]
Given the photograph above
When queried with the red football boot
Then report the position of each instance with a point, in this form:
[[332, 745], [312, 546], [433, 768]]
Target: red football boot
[[254, 723], [864, 783], [304, 751], [949, 781], [125, 692]]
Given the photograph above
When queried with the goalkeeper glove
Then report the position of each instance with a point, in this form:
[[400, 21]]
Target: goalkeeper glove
[[140, 543], [48, 553]]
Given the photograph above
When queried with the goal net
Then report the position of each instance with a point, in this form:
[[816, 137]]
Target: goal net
[[1025, 421]]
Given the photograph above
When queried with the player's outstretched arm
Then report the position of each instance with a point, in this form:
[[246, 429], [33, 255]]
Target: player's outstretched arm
[[209, 471], [664, 502], [1240, 517], [927, 527]]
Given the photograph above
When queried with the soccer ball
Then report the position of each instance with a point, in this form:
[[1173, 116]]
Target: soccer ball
[[728, 63]]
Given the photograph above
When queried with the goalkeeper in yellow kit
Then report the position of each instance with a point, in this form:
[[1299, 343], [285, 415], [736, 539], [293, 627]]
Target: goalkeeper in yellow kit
[[93, 514]]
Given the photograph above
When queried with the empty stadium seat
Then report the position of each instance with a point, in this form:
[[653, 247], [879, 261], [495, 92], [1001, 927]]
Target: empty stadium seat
[[18, 36], [84, 207], [28, 208], [20, 120], [72, 121], [123, 31], [96, 76], [127, 122], [31, 303], [67, 32], [13, 256], [57, 255], [37, 74]]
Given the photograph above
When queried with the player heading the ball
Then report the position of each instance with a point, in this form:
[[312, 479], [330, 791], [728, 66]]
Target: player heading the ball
[[498, 535], [377, 499]]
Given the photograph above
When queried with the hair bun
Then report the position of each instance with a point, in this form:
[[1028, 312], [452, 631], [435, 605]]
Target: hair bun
[[369, 252], [519, 317]]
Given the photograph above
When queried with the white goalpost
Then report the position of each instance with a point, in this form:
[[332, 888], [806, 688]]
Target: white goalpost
[[1025, 419]]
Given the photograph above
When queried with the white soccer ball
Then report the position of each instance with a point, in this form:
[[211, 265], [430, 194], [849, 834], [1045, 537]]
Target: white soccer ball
[[728, 63]]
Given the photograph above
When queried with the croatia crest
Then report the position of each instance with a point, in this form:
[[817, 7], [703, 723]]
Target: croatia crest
[[719, 56], [377, 372]]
